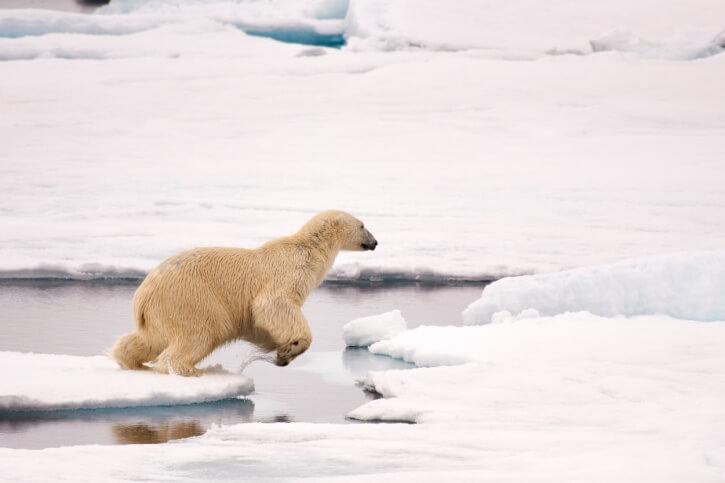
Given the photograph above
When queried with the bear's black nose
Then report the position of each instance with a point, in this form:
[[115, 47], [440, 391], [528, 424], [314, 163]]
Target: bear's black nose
[[370, 246]]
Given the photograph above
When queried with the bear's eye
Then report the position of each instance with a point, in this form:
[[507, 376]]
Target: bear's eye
[[362, 226], [296, 342]]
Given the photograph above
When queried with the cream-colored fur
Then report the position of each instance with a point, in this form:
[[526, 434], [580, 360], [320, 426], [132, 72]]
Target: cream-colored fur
[[199, 299]]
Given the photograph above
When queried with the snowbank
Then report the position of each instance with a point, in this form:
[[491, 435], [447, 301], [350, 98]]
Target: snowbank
[[545, 339], [529, 28], [48, 382], [367, 330], [685, 286], [650, 367]]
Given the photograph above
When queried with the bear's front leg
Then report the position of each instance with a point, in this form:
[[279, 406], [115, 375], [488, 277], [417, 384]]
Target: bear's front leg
[[283, 321]]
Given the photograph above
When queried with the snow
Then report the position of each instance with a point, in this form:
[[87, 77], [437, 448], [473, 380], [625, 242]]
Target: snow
[[367, 330], [41, 382], [527, 29], [194, 165], [685, 286], [162, 131]]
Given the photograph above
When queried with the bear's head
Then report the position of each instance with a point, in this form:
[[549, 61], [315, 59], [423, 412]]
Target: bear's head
[[356, 237], [353, 234], [348, 232], [287, 352]]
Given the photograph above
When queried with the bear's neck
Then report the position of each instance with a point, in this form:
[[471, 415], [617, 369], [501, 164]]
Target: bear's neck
[[322, 248]]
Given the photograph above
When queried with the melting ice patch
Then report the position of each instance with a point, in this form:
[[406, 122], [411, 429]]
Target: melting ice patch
[[188, 27], [49, 382], [685, 286], [367, 330]]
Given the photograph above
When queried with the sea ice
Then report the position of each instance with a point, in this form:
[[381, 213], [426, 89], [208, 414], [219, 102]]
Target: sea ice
[[368, 330], [526, 29], [164, 121], [685, 286], [50, 381], [578, 192]]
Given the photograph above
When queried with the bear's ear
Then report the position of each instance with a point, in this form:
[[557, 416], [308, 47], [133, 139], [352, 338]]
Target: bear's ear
[[339, 219]]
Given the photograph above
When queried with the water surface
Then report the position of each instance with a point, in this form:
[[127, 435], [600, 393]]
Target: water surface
[[81, 318]]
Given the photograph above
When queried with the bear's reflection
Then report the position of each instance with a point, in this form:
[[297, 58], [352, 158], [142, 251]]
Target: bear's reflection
[[142, 433], [161, 424]]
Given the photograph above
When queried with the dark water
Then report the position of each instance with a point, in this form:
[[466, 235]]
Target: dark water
[[319, 386]]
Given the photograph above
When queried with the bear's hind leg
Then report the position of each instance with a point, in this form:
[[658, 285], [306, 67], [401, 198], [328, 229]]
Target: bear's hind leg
[[131, 351], [181, 358]]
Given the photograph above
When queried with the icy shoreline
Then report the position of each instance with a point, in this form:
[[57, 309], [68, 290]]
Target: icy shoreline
[[345, 275]]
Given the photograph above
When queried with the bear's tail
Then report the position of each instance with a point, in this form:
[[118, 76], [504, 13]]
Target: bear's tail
[[131, 351]]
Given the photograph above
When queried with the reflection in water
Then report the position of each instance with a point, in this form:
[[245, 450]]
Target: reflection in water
[[92, 3], [127, 425], [319, 387], [359, 360], [281, 418], [215, 412], [141, 433]]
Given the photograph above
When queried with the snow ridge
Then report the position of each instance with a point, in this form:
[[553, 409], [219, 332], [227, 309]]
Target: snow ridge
[[685, 286]]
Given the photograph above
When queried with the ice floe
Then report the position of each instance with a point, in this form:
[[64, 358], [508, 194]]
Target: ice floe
[[38, 382], [367, 330]]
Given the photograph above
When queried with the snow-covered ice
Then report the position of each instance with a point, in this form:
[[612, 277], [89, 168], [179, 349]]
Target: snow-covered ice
[[685, 286], [530, 29], [52, 381], [367, 330], [166, 127]]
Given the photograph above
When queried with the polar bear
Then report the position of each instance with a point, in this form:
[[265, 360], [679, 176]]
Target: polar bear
[[202, 298]]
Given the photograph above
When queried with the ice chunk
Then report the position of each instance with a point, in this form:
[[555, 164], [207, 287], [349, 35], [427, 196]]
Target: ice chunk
[[368, 330], [685, 286], [431, 346], [50, 381]]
